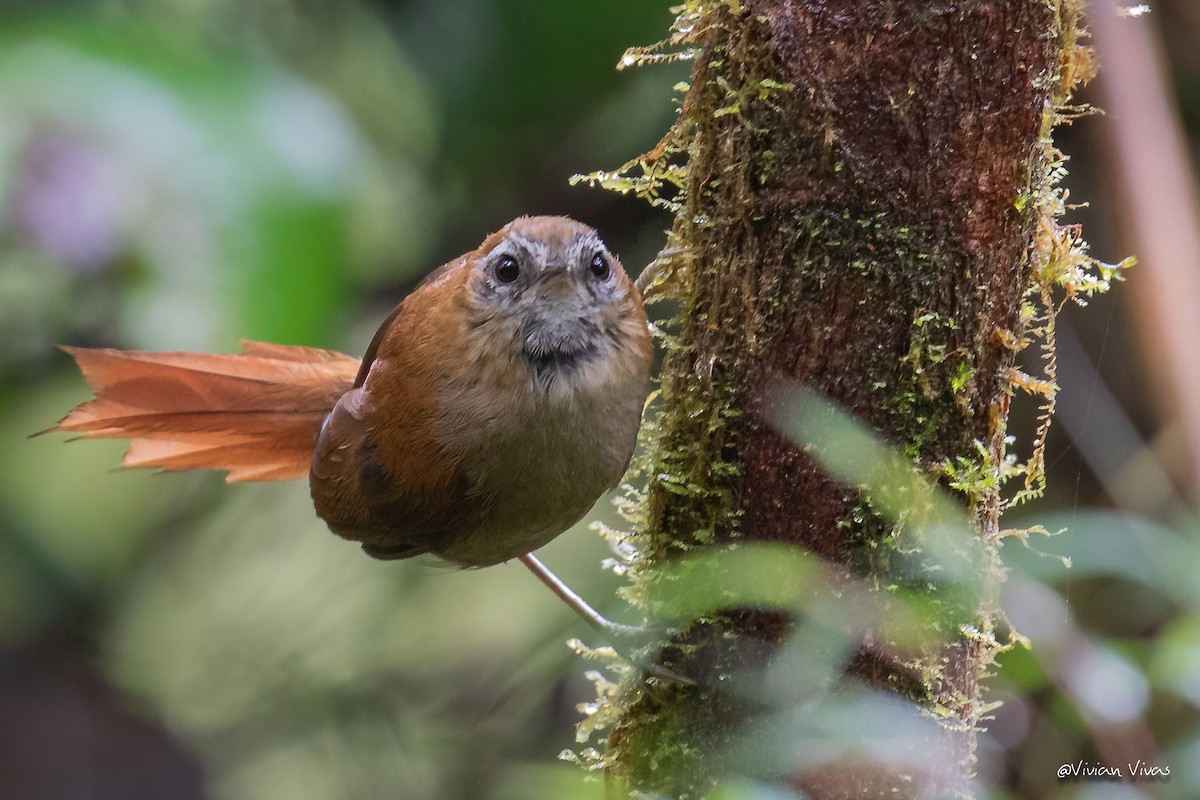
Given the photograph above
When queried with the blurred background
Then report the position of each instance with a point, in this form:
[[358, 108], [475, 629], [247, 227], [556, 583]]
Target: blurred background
[[177, 174]]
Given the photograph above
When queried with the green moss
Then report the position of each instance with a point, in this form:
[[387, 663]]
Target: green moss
[[923, 398]]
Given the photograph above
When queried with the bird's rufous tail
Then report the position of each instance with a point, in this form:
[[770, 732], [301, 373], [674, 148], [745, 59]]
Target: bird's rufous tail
[[254, 414]]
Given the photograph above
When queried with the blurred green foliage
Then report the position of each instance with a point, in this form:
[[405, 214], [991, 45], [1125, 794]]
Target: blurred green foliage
[[182, 174]]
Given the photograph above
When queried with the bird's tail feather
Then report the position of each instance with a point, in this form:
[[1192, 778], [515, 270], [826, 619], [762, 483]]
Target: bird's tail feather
[[254, 414]]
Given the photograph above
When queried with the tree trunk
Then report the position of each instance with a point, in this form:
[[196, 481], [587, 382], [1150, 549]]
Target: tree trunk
[[864, 212]]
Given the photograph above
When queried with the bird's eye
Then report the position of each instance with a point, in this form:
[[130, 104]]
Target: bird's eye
[[599, 266], [507, 269]]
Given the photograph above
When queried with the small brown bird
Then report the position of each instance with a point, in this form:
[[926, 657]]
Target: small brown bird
[[495, 404]]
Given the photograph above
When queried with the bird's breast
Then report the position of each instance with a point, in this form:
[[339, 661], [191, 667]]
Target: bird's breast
[[536, 463]]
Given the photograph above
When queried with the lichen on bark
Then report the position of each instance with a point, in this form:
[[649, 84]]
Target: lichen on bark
[[867, 206]]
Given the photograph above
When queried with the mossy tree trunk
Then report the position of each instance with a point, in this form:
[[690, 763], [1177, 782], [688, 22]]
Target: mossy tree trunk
[[861, 216]]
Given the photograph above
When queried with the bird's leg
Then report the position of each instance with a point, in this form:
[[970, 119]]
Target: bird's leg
[[616, 633], [606, 627]]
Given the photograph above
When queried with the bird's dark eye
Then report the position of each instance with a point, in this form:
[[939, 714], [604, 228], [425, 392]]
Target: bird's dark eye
[[507, 269], [599, 266]]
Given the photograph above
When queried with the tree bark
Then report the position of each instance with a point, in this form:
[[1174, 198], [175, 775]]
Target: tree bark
[[861, 210]]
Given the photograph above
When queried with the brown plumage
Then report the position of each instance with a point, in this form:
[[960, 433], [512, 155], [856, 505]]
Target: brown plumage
[[253, 414], [491, 410]]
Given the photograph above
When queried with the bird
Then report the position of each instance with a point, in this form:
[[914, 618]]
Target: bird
[[493, 407]]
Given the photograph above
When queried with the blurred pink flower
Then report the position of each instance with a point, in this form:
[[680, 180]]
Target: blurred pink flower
[[72, 198]]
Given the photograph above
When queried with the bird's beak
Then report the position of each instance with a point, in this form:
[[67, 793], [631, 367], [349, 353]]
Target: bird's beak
[[556, 283]]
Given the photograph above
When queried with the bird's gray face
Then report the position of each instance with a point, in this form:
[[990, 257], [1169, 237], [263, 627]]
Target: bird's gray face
[[555, 292]]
